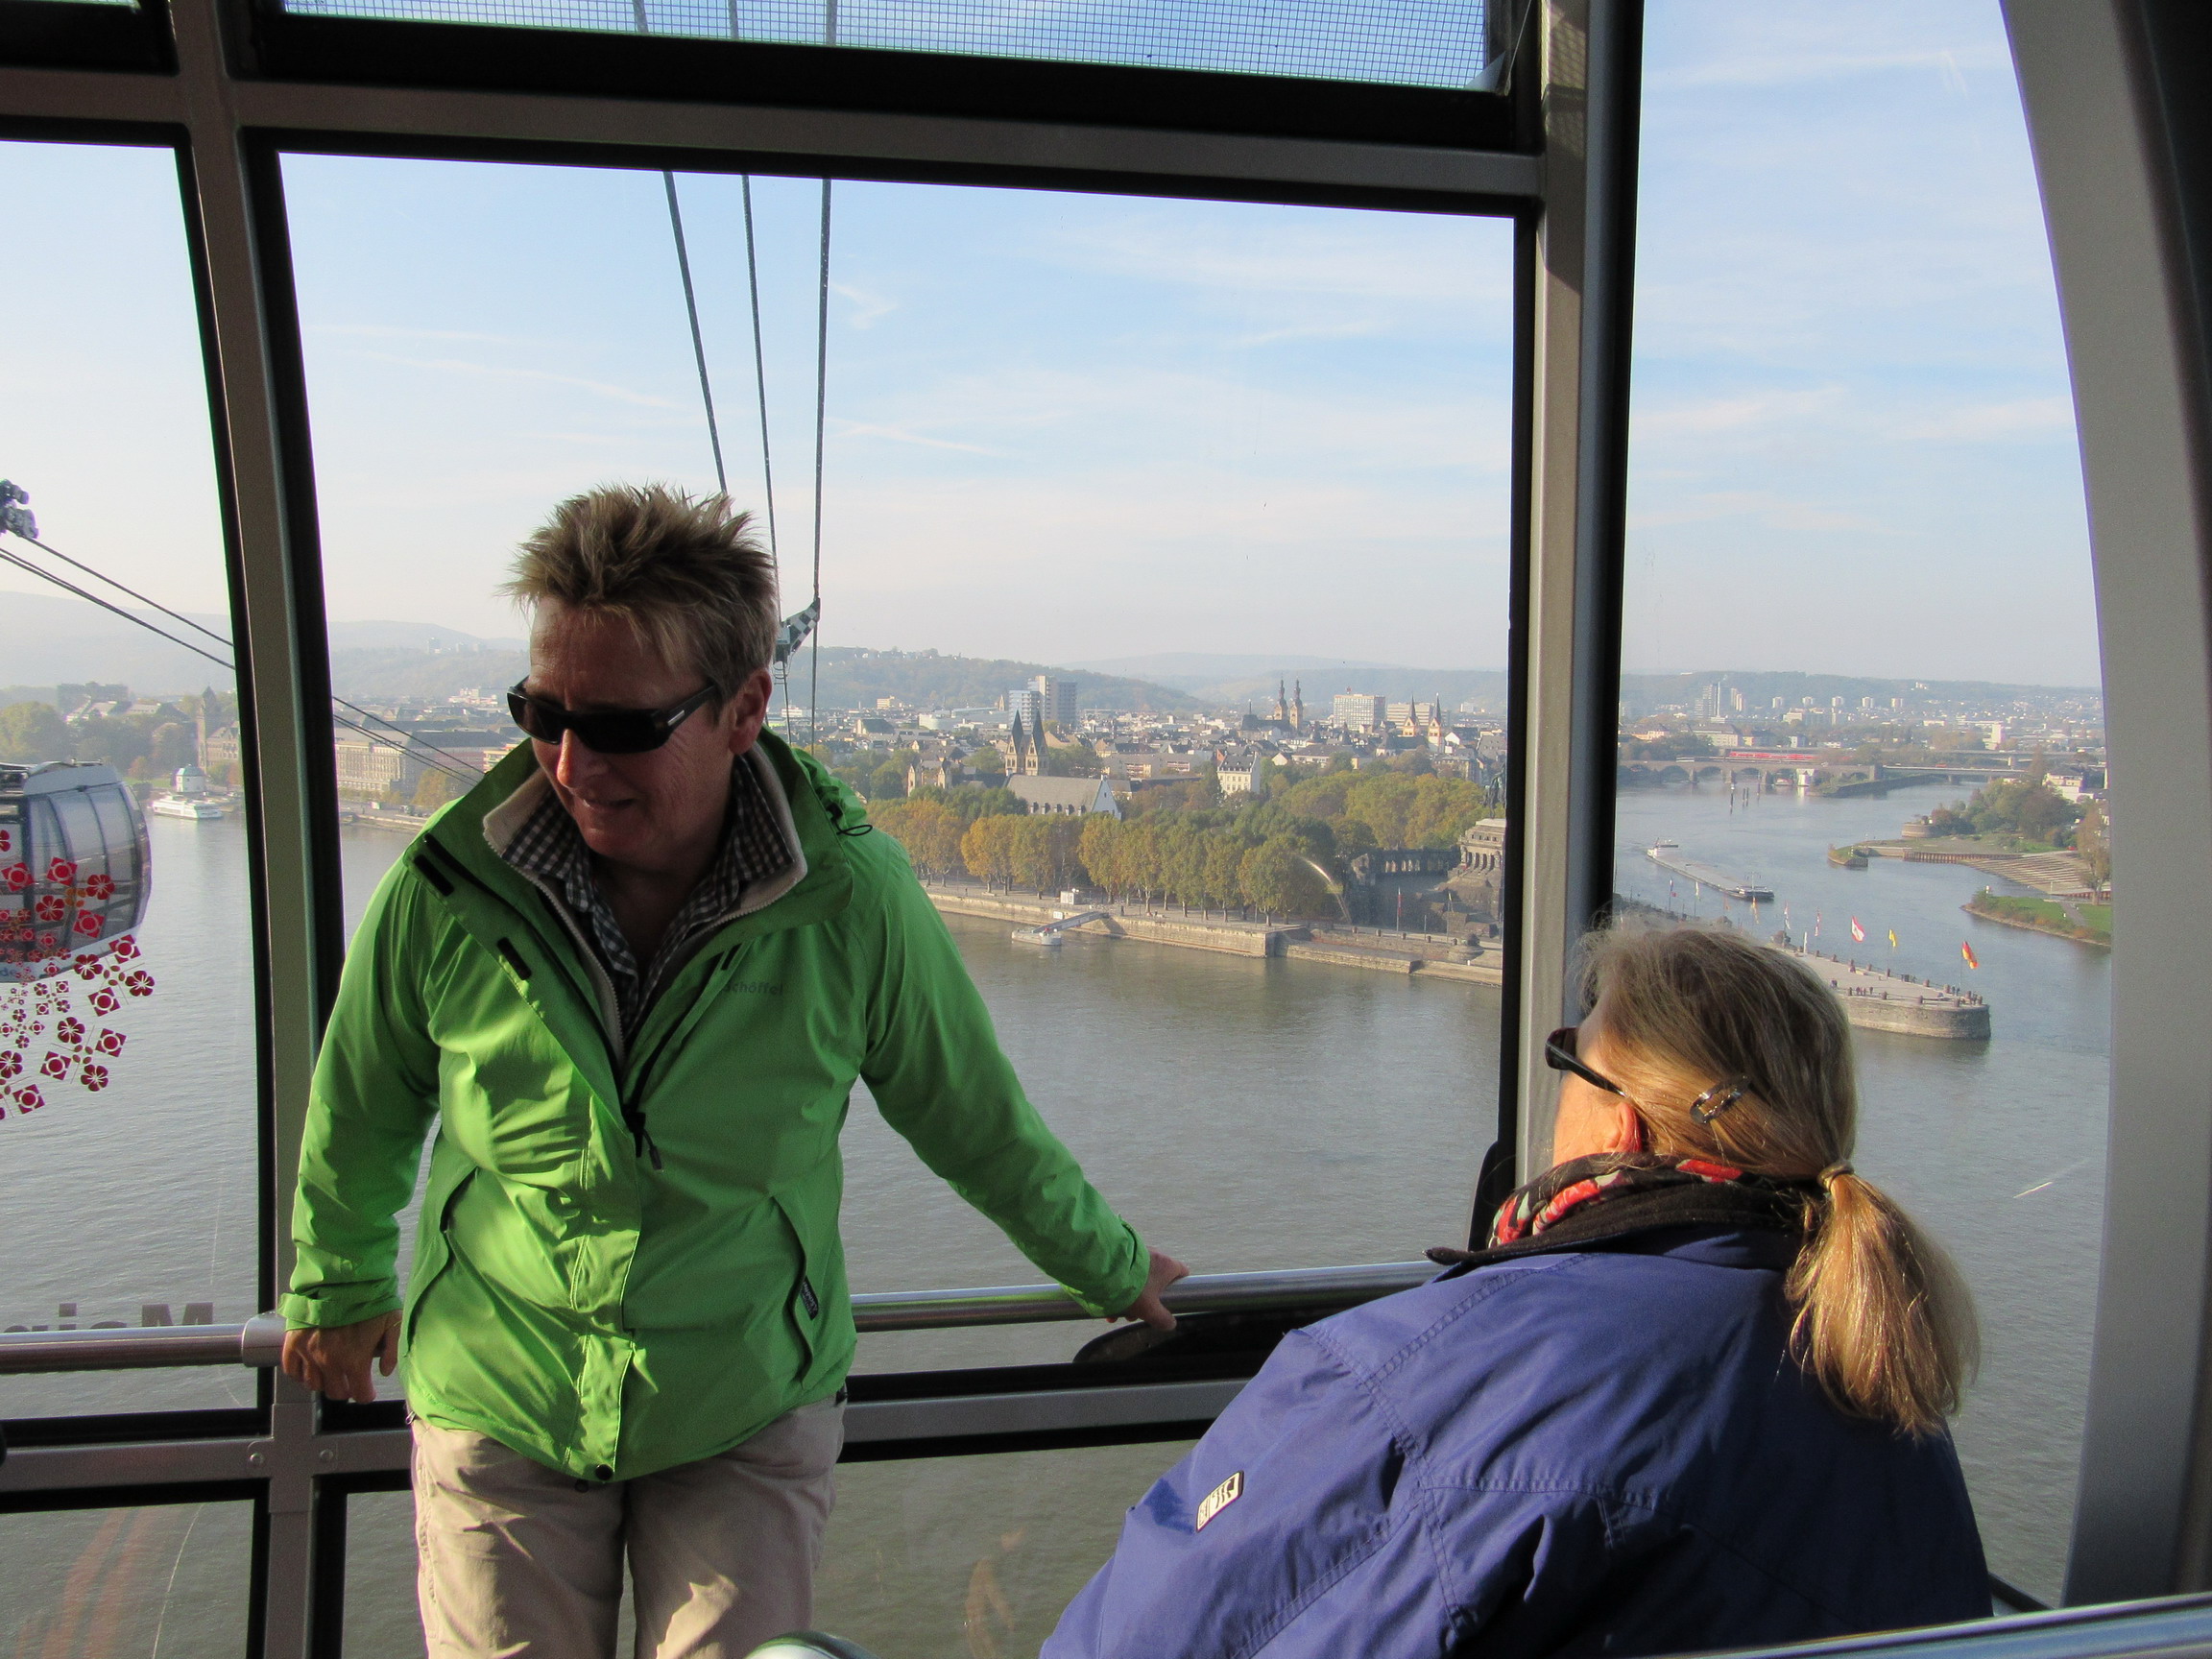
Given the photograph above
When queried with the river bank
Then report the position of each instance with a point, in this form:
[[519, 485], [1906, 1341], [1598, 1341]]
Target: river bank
[[1372, 951], [2043, 916]]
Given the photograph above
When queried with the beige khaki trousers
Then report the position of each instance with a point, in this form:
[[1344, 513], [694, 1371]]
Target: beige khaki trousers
[[518, 1559]]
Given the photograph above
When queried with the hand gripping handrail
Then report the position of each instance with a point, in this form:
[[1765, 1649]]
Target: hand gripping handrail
[[260, 1340]]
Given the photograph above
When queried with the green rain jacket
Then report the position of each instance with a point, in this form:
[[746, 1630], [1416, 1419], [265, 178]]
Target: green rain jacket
[[628, 1258]]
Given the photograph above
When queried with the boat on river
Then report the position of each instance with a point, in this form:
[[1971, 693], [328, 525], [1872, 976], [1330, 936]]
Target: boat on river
[[187, 798], [1668, 856]]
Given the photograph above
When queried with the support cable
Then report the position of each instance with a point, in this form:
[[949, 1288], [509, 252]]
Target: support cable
[[698, 342], [451, 765], [761, 372], [783, 666], [821, 406]]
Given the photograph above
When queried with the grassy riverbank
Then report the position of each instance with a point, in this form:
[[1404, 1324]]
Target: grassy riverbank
[[2089, 924]]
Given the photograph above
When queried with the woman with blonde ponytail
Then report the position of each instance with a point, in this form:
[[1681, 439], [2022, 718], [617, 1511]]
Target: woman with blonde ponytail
[[1688, 1392]]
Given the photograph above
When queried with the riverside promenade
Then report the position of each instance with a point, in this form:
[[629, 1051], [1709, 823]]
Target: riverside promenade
[[1365, 948]]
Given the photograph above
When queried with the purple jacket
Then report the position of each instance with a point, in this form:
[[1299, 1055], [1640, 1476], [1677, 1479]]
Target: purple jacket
[[1602, 1451]]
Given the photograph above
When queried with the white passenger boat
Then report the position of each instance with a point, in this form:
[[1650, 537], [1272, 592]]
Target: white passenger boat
[[187, 797]]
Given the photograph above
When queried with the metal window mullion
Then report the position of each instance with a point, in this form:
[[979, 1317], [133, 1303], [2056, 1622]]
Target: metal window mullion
[[1576, 466], [800, 141], [2120, 170], [283, 691]]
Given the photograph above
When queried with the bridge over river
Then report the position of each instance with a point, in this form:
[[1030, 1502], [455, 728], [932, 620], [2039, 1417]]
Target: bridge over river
[[1826, 774]]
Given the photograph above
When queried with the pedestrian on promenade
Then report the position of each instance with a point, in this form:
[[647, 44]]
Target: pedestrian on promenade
[[1689, 1395], [632, 977]]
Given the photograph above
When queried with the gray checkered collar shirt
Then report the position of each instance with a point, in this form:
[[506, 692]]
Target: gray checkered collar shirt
[[548, 848]]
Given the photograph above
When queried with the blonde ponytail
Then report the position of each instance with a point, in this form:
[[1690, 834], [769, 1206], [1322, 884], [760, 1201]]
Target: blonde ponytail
[[1883, 1321]]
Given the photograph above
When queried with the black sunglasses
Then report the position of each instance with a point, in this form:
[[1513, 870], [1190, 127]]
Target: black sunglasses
[[609, 731], [1559, 1056]]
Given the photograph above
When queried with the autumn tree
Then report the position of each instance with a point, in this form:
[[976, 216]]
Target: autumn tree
[[2093, 844], [30, 731], [1278, 877], [987, 848]]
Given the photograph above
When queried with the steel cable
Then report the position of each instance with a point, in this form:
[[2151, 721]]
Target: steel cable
[[698, 342], [821, 406], [451, 765]]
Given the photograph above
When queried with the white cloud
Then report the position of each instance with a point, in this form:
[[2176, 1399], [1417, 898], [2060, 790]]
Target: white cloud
[[896, 435], [868, 309], [501, 371], [1983, 422], [1816, 63], [1744, 410]]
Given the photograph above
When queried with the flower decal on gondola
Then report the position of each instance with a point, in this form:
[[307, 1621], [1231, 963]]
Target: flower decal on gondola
[[72, 1048], [73, 889]]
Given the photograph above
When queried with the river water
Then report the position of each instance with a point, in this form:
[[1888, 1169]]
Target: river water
[[1243, 1113]]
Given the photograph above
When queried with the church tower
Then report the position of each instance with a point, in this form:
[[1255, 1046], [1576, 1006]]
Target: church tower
[[1298, 707]]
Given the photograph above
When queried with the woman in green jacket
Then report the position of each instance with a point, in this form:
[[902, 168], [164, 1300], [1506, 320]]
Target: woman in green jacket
[[632, 978]]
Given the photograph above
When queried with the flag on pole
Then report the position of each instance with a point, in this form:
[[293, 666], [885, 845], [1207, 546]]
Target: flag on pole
[[1967, 951], [1893, 938], [1815, 924], [1858, 933]]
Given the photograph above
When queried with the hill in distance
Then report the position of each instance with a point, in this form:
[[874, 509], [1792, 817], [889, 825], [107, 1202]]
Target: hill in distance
[[852, 677], [58, 640]]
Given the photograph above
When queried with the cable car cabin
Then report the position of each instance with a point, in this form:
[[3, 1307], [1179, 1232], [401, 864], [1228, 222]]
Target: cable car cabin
[[75, 868], [1762, 429]]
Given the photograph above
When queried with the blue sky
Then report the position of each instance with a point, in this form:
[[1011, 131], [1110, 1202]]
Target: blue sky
[[1854, 445], [1064, 427]]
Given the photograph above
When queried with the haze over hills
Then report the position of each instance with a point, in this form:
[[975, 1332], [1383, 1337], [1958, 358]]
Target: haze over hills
[[54, 639]]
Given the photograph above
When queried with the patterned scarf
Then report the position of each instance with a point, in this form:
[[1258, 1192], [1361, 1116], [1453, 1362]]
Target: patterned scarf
[[1582, 1201]]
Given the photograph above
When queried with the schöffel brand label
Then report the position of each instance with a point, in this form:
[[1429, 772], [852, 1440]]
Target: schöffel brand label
[[1219, 1499]]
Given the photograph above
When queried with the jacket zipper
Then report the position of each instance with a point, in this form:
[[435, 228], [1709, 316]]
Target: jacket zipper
[[611, 1018]]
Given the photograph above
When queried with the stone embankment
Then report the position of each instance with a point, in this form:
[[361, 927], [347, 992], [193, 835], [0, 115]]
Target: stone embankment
[[1880, 1001], [1874, 999], [1341, 947]]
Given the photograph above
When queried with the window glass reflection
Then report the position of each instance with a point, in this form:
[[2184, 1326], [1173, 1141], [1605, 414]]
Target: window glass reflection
[[127, 1092], [169, 1581], [1163, 576], [1860, 671]]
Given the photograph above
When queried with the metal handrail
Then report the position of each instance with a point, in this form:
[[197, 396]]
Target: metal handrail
[[260, 1340]]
